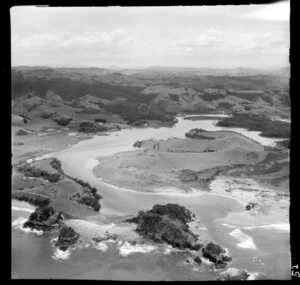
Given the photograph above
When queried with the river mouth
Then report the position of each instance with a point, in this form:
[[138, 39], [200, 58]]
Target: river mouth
[[80, 161]]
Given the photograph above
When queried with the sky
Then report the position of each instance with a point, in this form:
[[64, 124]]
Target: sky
[[249, 36]]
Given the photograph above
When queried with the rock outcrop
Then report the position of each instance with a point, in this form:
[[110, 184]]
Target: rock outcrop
[[67, 236], [198, 260], [167, 223], [216, 254], [107, 236], [44, 218]]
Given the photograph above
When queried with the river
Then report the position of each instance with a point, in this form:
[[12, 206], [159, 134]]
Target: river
[[33, 256]]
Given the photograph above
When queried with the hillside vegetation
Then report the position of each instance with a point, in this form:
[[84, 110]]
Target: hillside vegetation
[[147, 94]]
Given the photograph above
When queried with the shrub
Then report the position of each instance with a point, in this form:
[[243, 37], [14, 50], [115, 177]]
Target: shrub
[[46, 115], [21, 133], [32, 199], [196, 134], [62, 121], [225, 105], [56, 164], [138, 144], [98, 120], [89, 127], [32, 171]]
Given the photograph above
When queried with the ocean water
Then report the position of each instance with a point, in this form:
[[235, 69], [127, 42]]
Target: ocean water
[[258, 250]]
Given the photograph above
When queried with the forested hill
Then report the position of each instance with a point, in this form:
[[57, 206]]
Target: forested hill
[[155, 92]]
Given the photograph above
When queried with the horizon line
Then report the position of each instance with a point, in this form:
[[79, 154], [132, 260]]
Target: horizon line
[[154, 66]]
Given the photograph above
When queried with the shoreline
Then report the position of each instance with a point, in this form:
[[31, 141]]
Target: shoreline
[[92, 162]]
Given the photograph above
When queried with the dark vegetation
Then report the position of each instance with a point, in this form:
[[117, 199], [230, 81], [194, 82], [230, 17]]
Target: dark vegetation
[[62, 120], [284, 143], [199, 118], [174, 97], [269, 128], [131, 112], [188, 175], [88, 111], [56, 164], [198, 260], [25, 119], [47, 115], [21, 133], [67, 236], [225, 105], [31, 198], [212, 97], [89, 127], [216, 254], [88, 199], [197, 134], [138, 144], [44, 218], [71, 89], [250, 206], [89, 195], [267, 99], [139, 123], [98, 120], [32, 171], [251, 96], [268, 166], [167, 223]]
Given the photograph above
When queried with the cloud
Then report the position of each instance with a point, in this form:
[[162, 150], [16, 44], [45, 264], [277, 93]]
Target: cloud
[[87, 40], [264, 43], [209, 38], [275, 12]]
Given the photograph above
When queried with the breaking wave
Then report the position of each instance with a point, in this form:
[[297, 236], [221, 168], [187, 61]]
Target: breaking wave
[[244, 240], [60, 254], [22, 209], [18, 224], [126, 248]]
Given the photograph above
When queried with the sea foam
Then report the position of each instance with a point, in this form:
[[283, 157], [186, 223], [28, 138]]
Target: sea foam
[[281, 227], [60, 254], [18, 224], [22, 209], [127, 248], [101, 246], [244, 240]]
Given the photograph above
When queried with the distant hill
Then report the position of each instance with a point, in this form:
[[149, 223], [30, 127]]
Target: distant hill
[[156, 92]]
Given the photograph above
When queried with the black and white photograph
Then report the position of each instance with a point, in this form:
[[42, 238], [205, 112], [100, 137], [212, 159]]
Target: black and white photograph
[[151, 143]]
